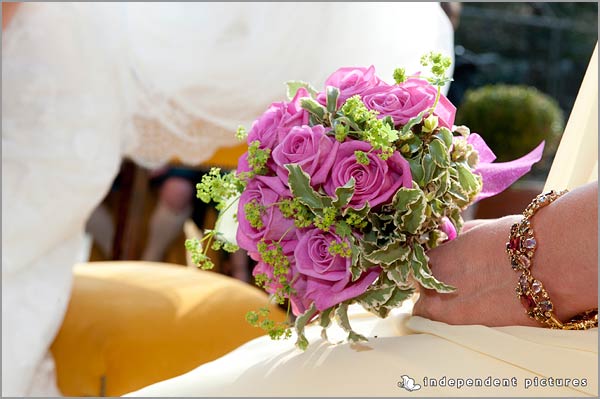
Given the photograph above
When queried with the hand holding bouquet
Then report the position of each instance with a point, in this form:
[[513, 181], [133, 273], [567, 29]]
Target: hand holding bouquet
[[342, 193]]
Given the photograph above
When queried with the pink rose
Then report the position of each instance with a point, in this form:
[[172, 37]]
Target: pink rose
[[266, 191], [308, 147], [406, 100], [328, 277], [350, 81], [375, 183], [272, 126]]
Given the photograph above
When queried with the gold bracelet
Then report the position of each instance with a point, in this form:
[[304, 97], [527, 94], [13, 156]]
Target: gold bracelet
[[521, 247]]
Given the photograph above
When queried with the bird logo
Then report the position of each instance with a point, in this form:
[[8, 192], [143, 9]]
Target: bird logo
[[408, 383]]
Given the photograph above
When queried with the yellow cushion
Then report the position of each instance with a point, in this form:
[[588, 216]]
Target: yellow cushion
[[131, 324]]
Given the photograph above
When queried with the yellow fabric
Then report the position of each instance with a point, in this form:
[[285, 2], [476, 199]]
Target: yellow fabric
[[227, 157], [130, 324]]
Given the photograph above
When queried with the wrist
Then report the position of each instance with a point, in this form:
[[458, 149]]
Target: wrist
[[548, 294]]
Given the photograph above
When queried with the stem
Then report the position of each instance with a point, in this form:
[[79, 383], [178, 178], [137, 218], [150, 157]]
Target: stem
[[284, 234], [437, 99]]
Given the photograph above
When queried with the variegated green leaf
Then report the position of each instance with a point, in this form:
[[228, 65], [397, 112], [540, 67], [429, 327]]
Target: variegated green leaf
[[457, 192], [294, 85], [412, 220], [299, 182], [376, 297], [443, 181], [406, 196], [436, 237], [428, 168], [389, 253], [301, 322], [344, 194], [398, 296], [467, 179], [416, 170], [439, 153], [313, 107], [399, 273], [325, 322], [380, 222], [456, 218], [422, 273], [412, 122], [445, 135], [342, 229], [341, 316]]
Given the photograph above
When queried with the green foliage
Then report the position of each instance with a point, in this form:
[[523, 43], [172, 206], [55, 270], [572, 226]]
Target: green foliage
[[512, 119], [365, 125], [400, 75], [258, 158], [198, 254], [241, 133], [260, 318], [217, 187]]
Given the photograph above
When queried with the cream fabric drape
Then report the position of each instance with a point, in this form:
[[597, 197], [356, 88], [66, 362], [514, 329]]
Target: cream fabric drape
[[416, 347], [576, 160]]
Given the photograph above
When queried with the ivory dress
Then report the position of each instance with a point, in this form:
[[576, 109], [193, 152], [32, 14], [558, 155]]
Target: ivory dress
[[84, 84], [522, 361]]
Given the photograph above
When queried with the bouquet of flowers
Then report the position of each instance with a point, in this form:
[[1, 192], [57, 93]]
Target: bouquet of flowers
[[342, 192]]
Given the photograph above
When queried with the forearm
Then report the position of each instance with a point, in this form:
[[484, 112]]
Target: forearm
[[566, 259]]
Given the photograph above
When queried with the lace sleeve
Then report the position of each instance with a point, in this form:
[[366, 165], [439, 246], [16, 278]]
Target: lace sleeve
[[201, 69]]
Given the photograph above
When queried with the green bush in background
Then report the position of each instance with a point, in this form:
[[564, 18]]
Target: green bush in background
[[513, 120]]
